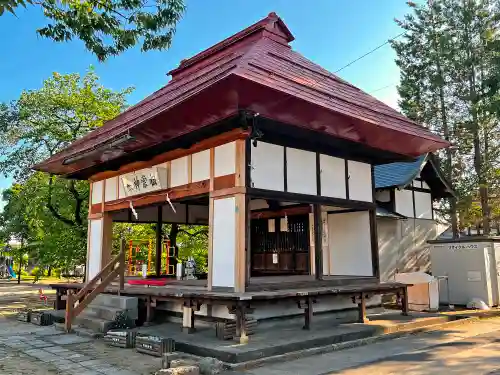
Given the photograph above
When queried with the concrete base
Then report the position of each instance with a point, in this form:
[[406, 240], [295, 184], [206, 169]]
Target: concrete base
[[280, 337]]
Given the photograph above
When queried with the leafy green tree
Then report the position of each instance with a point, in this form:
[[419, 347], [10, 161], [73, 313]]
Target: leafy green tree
[[43, 209], [107, 27], [42, 122], [189, 240], [474, 26], [449, 59]]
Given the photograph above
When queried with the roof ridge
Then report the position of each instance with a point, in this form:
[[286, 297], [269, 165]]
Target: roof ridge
[[266, 23]]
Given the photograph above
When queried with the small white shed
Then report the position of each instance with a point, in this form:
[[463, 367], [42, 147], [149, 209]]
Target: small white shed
[[472, 265]]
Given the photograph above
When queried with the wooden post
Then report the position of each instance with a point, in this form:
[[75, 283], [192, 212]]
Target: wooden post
[[69, 311], [159, 223], [241, 243], [308, 313], [362, 309], [241, 329], [404, 301], [318, 242], [122, 265], [149, 311]]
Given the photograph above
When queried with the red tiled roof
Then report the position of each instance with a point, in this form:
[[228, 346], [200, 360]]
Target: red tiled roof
[[259, 55]]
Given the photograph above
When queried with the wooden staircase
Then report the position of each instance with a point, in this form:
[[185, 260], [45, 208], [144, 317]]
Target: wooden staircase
[[75, 303]]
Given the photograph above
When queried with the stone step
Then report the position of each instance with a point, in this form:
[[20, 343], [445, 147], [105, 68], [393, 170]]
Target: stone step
[[94, 323], [120, 302], [111, 313]]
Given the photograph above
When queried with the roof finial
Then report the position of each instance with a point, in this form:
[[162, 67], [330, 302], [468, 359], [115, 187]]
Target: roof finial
[[272, 15]]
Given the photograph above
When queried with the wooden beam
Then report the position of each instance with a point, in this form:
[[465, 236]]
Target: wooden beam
[[178, 192], [229, 191], [212, 168], [310, 199], [224, 182], [290, 211], [190, 168], [240, 159], [175, 154]]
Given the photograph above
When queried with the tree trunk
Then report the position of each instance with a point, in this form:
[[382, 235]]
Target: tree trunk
[[446, 128]]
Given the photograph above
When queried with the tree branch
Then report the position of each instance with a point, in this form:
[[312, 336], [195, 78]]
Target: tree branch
[[78, 202], [52, 209], [197, 233]]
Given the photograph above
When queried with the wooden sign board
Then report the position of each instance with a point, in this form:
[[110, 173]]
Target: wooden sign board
[[154, 345], [41, 318], [144, 181], [120, 339], [24, 316]]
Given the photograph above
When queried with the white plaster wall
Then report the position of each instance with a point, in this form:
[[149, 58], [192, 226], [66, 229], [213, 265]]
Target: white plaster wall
[[403, 245], [162, 174], [267, 166], [225, 159], [200, 169], [425, 186], [121, 189], [404, 202], [301, 171], [97, 192], [179, 172], [332, 176], [95, 243], [224, 242], [350, 244], [360, 181], [423, 205], [110, 191], [417, 184]]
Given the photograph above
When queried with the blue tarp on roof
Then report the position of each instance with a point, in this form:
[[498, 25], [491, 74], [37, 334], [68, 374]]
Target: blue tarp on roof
[[397, 174]]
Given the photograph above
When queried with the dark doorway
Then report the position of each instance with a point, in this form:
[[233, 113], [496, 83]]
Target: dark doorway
[[280, 245]]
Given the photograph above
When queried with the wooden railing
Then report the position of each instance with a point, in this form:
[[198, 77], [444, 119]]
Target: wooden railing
[[75, 303]]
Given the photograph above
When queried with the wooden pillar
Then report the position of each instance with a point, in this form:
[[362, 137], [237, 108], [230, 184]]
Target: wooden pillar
[[100, 243], [159, 224], [318, 241], [362, 309], [374, 243], [228, 223]]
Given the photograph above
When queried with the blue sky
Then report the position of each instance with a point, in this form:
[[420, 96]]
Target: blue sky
[[330, 32]]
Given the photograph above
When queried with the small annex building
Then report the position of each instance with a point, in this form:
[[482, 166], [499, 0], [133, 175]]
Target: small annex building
[[406, 194]]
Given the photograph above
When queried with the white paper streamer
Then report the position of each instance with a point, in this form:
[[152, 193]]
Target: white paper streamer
[[134, 212], [171, 205]]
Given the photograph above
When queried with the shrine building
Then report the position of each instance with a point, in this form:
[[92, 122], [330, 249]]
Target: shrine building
[[274, 154]]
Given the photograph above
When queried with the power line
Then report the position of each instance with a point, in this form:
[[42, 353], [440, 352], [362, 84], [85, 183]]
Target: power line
[[382, 88], [373, 50]]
